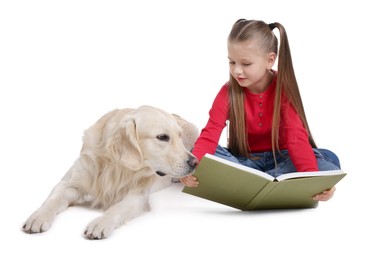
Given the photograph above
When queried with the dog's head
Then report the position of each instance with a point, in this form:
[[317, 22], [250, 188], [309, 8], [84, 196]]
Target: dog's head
[[151, 137]]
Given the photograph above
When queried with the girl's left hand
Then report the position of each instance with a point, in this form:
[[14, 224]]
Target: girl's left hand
[[325, 195], [189, 181]]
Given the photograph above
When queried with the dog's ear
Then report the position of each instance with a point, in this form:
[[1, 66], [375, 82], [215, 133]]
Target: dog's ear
[[190, 132], [124, 146]]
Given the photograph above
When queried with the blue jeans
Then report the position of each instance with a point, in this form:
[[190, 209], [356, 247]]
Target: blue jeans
[[326, 160]]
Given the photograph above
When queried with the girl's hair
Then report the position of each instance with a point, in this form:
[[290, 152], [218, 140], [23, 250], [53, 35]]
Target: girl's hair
[[286, 86]]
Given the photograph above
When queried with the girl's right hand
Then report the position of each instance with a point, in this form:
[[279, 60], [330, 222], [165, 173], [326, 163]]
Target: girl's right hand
[[325, 195], [189, 181]]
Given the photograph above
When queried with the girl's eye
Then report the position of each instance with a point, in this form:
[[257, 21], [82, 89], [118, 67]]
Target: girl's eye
[[247, 64], [232, 62]]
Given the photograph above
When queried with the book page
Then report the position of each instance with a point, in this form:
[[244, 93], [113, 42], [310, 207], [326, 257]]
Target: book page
[[308, 174]]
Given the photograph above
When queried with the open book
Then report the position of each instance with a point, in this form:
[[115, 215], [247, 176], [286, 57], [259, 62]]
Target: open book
[[245, 188]]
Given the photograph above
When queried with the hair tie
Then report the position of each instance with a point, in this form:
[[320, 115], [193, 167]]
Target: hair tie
[[240, 20], [272, 26]]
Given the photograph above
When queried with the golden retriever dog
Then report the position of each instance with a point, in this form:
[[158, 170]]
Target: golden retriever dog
[[126, 155]]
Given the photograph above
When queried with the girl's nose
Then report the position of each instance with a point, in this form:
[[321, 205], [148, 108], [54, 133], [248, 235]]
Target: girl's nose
[[237, 70]]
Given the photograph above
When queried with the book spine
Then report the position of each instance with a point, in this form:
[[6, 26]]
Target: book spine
[[256, 201]]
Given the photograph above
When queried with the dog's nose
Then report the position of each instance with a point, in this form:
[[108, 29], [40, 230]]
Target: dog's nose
[[193, 162]]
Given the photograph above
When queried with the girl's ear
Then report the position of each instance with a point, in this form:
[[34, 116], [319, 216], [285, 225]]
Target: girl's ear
[[271, 60]]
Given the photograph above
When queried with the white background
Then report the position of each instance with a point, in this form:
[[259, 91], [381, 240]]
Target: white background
[[63, 64]]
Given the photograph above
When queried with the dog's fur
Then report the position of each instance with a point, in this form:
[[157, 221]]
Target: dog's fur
[[126, 155]]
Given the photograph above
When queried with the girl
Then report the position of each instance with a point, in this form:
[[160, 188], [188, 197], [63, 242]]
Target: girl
[[267, 126]]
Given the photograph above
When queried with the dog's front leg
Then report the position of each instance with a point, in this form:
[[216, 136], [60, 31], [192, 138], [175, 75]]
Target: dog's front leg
[[130, 207], [59, 199]]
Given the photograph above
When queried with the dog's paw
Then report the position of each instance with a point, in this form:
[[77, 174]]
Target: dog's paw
[[99, 228], [40, 221]]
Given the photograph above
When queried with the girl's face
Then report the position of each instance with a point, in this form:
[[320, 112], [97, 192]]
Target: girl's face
[[250, 66]]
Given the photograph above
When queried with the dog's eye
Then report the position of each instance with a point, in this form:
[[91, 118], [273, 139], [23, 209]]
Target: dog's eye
[[163, 137]]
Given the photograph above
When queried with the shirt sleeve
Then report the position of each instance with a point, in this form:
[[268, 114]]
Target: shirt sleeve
[[208, 139], [296, 139]]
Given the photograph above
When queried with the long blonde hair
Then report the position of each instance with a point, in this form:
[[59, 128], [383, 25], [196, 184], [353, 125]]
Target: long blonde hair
[[244, 30]]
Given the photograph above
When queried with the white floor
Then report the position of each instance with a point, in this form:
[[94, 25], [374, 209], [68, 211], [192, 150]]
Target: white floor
[[65, 63], [182, 226]]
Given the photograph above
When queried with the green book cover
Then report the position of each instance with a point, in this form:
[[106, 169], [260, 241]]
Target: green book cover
[[245, 188]]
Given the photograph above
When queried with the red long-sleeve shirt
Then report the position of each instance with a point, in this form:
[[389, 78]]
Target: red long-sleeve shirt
[[258, 111]]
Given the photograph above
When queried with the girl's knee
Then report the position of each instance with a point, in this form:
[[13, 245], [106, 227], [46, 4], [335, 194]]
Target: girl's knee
[[224, 153], [329, 157]]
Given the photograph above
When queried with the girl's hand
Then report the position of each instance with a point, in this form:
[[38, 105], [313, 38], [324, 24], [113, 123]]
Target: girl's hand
[[325, 195], [189, 181]]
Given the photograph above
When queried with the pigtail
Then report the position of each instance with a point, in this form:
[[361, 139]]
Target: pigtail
[[287, 84], [237, 142]]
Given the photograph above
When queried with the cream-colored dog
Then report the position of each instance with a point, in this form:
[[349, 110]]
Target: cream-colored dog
[[126, 155]]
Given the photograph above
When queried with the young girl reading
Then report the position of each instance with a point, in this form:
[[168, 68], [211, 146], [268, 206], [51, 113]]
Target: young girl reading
[[263, 108]]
